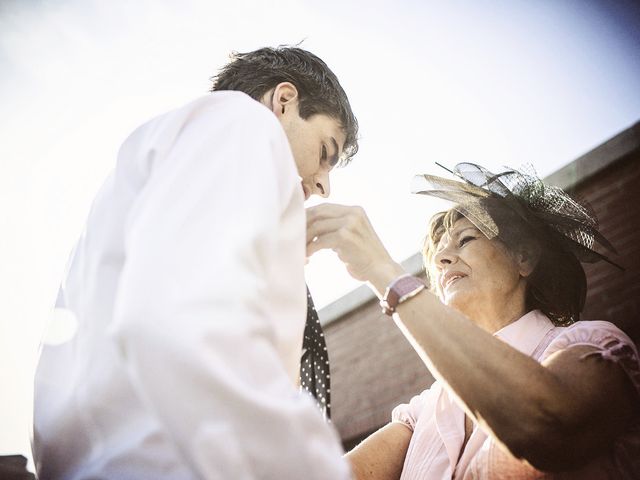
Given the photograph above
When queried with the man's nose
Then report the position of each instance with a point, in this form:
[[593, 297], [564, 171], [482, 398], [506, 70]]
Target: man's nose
[[321, 185]]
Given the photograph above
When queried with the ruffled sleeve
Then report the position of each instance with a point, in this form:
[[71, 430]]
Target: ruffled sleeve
[[408, 413], [612, 343]]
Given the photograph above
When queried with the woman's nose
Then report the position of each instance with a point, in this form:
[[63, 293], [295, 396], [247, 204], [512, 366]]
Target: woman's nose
[[444, 257]]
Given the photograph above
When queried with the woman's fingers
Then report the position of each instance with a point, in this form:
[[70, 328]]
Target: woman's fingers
[[329, 241], [337, 226], [348, 232], [322, 227], [331, 210]]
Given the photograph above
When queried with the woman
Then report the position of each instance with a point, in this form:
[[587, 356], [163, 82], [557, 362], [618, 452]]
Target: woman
[[523, 389]]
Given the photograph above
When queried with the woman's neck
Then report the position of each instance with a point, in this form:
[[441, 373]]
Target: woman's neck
[[496, 315]]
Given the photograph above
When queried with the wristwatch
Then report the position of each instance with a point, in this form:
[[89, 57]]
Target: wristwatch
[[401, 289]]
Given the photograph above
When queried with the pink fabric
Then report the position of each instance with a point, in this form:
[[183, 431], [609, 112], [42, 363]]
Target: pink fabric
[[438, 423]]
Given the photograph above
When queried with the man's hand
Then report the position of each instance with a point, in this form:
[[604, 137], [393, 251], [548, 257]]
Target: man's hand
[[348, 232]]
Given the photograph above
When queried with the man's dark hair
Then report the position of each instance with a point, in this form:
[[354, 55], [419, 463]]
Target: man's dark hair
[[257, 72]]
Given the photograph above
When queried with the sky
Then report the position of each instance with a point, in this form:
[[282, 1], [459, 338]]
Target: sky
[[488, 81]]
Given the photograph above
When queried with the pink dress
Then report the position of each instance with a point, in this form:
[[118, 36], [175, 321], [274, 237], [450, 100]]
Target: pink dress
[[438, 423]]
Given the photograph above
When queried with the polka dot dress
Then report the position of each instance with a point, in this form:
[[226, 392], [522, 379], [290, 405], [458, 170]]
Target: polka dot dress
[[314, 365]]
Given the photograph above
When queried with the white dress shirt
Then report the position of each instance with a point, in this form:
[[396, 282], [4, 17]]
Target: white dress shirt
[[188, 288]]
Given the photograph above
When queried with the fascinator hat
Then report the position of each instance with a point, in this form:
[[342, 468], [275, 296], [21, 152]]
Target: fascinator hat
[[516, 207]]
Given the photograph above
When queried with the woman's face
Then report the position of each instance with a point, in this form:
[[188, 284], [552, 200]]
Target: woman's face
[[475, 275]]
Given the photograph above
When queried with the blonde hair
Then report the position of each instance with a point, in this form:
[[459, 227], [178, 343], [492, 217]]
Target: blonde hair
[[440, 223]]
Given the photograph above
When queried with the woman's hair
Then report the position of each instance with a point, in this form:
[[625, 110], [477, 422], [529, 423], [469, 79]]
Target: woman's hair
[[557, 285]]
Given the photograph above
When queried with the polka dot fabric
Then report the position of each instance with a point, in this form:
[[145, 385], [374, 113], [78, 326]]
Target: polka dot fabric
[[314, 365]]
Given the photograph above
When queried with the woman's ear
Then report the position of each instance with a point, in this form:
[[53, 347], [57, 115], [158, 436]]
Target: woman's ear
[[527, 257], [283, 97]]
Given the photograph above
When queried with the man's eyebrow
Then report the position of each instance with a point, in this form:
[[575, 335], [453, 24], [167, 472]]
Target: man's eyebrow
[[334, 158]]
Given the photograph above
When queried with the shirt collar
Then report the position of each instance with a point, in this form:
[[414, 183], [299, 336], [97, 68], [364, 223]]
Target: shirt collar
[[526, 333]]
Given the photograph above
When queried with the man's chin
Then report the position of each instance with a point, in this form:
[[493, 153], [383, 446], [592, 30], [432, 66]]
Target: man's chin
[[306, 193]]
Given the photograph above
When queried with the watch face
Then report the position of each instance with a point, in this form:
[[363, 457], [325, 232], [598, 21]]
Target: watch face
[[400, 290], [406, 285]]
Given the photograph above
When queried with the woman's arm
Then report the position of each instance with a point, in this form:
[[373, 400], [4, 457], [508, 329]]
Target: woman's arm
[[381, 455], [537, 411], [556, 416]]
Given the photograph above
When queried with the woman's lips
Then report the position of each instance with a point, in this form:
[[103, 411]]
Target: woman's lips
[[450, 278]]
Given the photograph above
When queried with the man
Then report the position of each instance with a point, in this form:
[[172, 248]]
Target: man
[[188, 290]]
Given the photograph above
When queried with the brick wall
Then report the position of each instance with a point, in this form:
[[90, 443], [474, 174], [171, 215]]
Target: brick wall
[[614, 194], [373, 368]]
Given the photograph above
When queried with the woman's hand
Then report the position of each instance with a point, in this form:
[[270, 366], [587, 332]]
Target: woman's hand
[[348, 232]]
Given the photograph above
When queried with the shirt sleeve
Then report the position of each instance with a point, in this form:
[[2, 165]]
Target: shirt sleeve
[[409, 413], [192, 319], [612, 344]]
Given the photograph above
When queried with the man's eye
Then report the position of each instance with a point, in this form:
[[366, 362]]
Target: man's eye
[[466, 239], [324, 153]]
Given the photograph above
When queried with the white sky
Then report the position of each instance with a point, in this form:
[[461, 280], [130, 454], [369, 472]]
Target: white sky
[[494, 82]]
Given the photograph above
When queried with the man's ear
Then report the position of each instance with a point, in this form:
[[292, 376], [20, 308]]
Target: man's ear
[[527, 257], [284, 96]]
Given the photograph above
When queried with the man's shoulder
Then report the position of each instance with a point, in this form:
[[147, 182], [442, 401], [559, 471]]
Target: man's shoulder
[[234, 106], [234, 114]]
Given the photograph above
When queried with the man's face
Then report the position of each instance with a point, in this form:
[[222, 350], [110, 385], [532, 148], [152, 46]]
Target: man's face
[[316, 144]]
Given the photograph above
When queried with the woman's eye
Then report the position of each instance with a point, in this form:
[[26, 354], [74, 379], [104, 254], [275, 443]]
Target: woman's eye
[[466, 239], [324, 153]]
